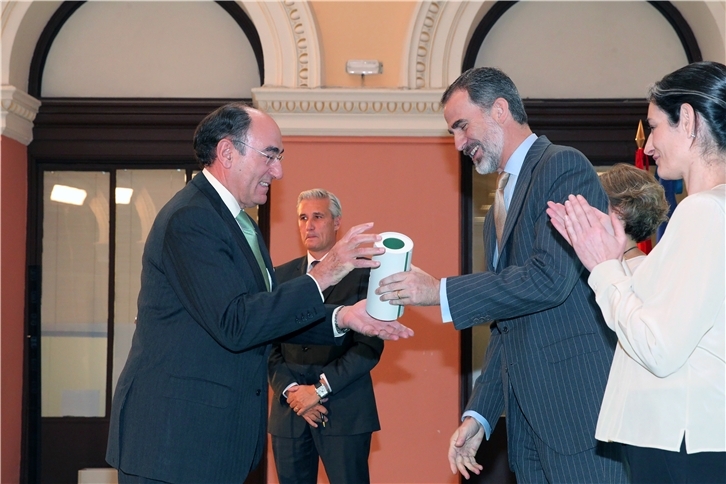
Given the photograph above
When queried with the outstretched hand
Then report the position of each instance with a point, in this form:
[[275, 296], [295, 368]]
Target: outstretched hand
[[346, 255], [357, 319], [595, 236], [414, 287], [463, 446]]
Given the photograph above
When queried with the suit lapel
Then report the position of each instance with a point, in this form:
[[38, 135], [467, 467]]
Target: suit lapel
[[533, 156], [201, 182]]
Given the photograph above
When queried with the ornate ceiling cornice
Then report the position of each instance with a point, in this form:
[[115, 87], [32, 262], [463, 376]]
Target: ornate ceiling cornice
[[18, 112], [353, 112]]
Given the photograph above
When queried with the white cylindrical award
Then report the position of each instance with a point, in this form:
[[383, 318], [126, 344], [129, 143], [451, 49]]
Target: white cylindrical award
[[397, 258]]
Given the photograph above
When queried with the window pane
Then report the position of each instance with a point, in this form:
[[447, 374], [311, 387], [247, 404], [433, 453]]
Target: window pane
[[74, 303], [140, 194]]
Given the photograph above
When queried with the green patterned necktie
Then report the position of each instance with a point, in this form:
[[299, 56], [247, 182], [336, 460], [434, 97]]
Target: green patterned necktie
[[248, 230]]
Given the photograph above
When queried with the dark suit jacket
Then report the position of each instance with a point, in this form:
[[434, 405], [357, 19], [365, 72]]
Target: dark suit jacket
[[191, 402], [548, 337], [352, 405]]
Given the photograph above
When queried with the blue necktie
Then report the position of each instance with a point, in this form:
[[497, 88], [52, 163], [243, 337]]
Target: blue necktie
[[248, 230]]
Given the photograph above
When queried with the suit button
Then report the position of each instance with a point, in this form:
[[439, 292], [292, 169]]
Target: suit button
[[305, 348], [505, 329], [258, 392]]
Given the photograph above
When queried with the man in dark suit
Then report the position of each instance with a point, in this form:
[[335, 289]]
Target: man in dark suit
[[191, 403], [550, 352], [327, 384]]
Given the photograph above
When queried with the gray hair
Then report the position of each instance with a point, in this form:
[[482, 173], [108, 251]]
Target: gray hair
[[321, 194]]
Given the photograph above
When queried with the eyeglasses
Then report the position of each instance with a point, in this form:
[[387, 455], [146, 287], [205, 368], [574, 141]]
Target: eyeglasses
[[270, 158]]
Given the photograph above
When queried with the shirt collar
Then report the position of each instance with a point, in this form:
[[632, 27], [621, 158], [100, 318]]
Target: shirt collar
[[515, 162], [311, 258], [224, 194]]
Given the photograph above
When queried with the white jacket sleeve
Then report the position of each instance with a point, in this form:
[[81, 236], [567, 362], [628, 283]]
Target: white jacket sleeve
[[662, 312]]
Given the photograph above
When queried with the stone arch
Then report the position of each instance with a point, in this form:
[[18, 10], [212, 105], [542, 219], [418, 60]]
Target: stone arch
[[287, 31], [441, 32]]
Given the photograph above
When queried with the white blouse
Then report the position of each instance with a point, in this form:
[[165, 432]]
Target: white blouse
[[668, 376]]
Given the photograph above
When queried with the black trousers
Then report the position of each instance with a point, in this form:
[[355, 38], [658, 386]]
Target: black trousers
[[345, 457], [656, 466]]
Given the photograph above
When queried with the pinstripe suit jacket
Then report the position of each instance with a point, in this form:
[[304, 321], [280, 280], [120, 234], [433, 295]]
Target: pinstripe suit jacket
[[548, 337], [191, 403]]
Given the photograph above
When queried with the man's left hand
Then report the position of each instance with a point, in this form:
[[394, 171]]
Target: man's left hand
[[356, 318], [302, 398]]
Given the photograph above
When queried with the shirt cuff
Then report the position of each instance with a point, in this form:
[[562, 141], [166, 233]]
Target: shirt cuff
[[444, 303], [336, 331], [605, 274], [322, 298], [325, 381], [284, 392], [482, 421]]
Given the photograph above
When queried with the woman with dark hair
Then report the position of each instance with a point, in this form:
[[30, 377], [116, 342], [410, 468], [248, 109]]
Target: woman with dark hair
[[669, 408]]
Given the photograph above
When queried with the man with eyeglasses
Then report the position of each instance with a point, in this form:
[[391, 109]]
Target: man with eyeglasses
[[191, 403]]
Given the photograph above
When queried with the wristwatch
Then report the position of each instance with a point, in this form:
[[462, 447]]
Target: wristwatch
[[321, 390]]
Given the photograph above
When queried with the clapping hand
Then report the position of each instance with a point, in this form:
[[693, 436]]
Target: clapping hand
[[595, 236]]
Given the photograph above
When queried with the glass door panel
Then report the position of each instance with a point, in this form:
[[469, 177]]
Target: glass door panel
[[74, 301], [140, 194], [483, 188]]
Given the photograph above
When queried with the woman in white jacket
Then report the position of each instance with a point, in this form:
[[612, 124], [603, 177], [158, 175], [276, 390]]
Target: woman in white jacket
[[669, 408]]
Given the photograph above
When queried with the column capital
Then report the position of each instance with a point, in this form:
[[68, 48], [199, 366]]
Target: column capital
[[17, 112]]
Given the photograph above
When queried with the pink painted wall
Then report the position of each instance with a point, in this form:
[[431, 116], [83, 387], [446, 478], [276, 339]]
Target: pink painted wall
[[408, 185], [13, 213]]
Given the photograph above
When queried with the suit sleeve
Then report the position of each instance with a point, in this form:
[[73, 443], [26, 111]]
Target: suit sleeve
[[487, 397], [215, 284], [546, 278]]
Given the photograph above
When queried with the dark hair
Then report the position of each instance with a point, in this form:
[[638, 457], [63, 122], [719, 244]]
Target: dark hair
[[229, 121], [637, 197], [484, 85], [703, 86]]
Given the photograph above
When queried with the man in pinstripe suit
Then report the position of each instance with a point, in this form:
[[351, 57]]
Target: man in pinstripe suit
[[550, 352]]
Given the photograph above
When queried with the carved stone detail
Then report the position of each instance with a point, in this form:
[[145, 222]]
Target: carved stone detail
[[297, 25], [18, 111], [423, 47]]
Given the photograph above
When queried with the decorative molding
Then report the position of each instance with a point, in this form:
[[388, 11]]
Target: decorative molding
[[17, 114], [439, 35], [290, 45], [300, 30], [353, 112]]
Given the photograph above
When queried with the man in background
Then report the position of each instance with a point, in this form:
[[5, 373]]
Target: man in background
[[550, 351], [323, 404]]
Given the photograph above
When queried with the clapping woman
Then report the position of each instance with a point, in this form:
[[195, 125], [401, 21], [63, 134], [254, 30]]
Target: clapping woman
[[670, 313]]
